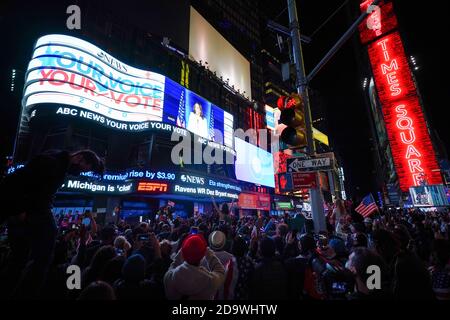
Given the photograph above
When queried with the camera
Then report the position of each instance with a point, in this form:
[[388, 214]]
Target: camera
[[194, 230], [339, 287]]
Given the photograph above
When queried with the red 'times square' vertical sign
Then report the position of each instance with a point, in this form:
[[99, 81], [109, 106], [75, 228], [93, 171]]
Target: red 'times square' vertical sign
[[408, 135]]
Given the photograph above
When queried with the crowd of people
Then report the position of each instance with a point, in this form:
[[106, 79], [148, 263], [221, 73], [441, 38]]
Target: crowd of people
[[225, 257], [213, 256]]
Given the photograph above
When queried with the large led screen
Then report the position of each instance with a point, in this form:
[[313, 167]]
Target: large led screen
[[429, 196], [209, 46], [68, 71], [253, 164]]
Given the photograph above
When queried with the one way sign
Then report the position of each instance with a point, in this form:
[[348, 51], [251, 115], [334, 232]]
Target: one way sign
[[297, 165]]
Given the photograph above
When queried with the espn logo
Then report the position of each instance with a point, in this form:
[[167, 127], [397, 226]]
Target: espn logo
[[152, 187]]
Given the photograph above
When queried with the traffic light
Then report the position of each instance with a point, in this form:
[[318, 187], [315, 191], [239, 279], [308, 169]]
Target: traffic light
[[293, 116]]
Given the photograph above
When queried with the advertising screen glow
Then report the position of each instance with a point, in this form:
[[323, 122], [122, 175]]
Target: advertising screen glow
[[429, 196], [68, 71], [253, 164], [208, 45]]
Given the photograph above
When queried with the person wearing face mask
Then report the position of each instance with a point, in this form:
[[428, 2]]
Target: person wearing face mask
[[28, 195]]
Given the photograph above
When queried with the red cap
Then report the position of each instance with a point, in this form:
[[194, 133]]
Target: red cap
[[193, 249]]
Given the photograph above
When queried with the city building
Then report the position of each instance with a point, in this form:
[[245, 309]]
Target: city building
[[118, 65]]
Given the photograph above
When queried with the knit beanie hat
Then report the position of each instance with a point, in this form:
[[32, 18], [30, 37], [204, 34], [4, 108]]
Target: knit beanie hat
[[193, 249]]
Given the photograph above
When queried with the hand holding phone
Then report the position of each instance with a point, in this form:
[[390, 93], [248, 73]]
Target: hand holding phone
[[86, 221], [339, 287], [194, 230]]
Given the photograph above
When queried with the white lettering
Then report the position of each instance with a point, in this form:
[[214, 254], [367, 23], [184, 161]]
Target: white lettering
[[392, 66], [374, 280], [74, 20], [74, 280], [412, 137], [411, 150], [414, 164], [405, 123], [401, 108]]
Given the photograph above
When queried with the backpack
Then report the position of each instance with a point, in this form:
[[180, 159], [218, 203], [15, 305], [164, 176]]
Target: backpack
[[312, 286]]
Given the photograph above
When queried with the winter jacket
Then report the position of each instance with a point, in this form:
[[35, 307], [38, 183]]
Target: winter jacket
[[186, 281]]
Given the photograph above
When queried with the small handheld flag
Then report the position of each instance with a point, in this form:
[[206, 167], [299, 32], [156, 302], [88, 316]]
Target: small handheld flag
[[367, 206]]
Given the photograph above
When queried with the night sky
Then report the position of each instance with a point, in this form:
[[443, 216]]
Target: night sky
[[337, 88]]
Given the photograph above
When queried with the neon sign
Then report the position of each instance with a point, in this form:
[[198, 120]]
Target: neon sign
[[410, 142], [381, 20]]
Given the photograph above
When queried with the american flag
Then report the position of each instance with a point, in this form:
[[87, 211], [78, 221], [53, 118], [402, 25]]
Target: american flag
[[211, 125], [181, 121], [367, 206]]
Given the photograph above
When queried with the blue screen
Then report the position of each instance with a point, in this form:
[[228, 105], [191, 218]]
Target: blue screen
[[186, 109], [253, 164]]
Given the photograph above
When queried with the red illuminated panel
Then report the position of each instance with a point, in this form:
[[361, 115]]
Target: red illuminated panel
[[280, 102], [279, 161], [292, 102], [248, 201], [413, 152], [254, 201], [152, 187], [381, 21], [264, 202], [304, 180]]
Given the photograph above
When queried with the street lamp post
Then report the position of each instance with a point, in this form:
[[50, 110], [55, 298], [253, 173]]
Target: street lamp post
[[302, 89]]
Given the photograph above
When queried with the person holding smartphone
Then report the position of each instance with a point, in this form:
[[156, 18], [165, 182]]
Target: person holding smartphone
[[89, 222], [186, 279], [28, 195], [194, 230], [122, 246]]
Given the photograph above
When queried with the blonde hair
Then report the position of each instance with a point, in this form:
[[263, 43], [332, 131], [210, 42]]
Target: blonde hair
[[122, 243]]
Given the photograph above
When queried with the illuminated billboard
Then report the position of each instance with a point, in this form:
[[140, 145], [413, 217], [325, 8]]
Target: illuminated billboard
[[66, 71], [151, 182], [429, 196], [208, 45], [270, 118], [253, 164], [411, 145], [254, 201]]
